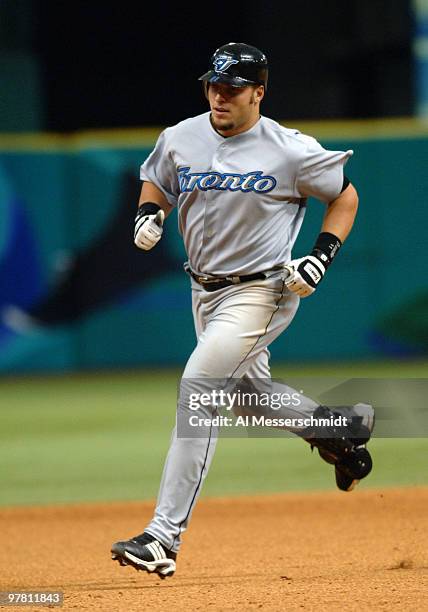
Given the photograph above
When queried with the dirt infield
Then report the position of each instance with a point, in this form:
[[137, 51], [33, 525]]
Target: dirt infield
[[325, 551]]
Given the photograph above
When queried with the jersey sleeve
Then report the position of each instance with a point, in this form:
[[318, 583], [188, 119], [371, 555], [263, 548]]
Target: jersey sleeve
[[320, 172], [160, 170]]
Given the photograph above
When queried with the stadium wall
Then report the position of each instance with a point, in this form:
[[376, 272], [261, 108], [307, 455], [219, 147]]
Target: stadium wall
[[76, 294]]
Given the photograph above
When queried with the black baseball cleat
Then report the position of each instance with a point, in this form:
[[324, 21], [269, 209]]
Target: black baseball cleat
[[146, 553], [351, 470], [344, 446]]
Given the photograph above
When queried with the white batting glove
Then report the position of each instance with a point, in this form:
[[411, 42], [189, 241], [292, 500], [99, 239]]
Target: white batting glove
[[148, 229], [304, 275]]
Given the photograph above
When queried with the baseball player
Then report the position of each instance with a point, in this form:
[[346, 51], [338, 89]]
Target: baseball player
[[240, 182]]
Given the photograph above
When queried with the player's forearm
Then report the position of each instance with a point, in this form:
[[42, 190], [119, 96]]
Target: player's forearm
[[151, 193], [341, 212]]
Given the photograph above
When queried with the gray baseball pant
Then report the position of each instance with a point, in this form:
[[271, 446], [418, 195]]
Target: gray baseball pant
[[234, 327]]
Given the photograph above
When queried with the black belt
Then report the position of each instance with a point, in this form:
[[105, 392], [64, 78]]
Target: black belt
[[213, 284]]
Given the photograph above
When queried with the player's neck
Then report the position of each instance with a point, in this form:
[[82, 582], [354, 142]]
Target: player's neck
[[236, 130]]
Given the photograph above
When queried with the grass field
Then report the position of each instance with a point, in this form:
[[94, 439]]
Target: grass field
[[104, 437]]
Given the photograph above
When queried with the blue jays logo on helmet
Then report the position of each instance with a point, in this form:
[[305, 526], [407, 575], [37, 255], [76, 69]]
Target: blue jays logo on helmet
[[222, 63]]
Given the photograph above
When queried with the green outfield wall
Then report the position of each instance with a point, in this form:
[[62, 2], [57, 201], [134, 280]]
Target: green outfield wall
[[75, 293]]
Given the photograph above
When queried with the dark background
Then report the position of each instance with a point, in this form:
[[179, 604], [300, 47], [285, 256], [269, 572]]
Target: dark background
[[111, 64]]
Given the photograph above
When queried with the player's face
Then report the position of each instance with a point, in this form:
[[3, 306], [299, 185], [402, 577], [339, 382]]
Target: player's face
[[234, 109]]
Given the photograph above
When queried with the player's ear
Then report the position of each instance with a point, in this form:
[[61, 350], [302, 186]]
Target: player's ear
[[259, 93]]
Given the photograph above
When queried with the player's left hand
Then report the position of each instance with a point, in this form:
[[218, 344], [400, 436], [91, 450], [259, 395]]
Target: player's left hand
[[304, 275]]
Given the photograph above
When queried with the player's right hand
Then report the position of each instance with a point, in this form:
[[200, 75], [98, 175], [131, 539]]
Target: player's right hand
[[148, 229]]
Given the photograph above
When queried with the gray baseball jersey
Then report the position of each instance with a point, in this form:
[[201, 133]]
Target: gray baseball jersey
[[241, 200]]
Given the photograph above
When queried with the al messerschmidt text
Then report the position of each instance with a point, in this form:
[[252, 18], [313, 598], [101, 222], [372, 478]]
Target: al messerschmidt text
[[263, 421]]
